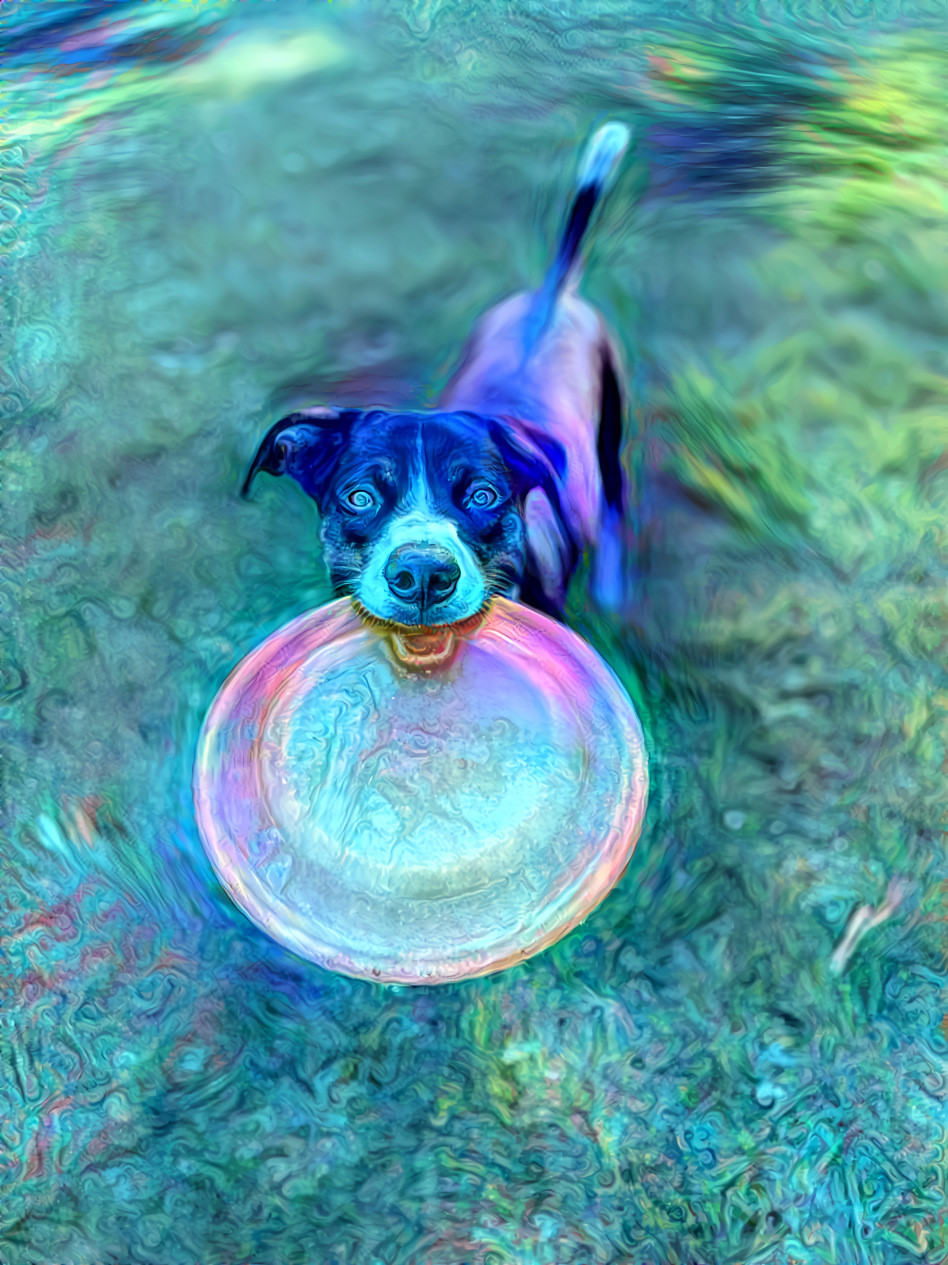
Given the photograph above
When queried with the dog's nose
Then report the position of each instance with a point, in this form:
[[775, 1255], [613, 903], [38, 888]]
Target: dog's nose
[[422, 574]]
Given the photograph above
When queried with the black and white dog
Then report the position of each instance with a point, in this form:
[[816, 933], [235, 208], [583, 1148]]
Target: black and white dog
[[428, 515]]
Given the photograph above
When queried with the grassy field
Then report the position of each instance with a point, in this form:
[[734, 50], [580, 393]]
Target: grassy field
[[211, 213]]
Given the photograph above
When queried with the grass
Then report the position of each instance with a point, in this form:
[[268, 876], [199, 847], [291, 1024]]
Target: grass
[[687, 1077]]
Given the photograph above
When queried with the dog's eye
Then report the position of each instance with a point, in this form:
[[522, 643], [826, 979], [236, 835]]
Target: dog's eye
[[481, 496], [360, 499]]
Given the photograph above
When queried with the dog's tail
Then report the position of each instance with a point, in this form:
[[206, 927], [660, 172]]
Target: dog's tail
[[596, 173], [600, 161]]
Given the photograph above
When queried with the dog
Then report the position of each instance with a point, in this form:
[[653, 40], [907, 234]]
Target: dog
[[500, 489]]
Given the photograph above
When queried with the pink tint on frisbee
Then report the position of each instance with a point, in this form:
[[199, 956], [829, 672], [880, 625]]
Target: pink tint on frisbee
[[417, 827]]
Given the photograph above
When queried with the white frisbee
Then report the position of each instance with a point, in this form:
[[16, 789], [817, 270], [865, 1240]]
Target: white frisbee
[[419, 824]]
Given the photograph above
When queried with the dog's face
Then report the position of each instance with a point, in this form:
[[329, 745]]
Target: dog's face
[[422, 514]]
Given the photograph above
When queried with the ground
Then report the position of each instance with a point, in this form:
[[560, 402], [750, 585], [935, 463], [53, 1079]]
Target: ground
[[215, 212]]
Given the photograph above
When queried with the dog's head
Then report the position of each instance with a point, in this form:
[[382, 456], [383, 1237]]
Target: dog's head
[[423, 514]]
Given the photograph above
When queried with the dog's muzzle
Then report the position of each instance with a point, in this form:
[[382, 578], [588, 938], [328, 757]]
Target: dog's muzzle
[[422, 575]]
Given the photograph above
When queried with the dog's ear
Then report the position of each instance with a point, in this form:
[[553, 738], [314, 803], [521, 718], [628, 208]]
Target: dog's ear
[[306, 446], [537, 465], [534, 460]]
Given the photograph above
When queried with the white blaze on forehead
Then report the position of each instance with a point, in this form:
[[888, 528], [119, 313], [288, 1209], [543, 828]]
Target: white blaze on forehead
[[418, 499], [417, 522]]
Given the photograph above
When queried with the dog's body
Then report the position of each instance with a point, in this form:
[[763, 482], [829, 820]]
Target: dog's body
[[502, 487], [565, 389]]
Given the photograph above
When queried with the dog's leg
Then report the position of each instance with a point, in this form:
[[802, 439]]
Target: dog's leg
[[611, 571]]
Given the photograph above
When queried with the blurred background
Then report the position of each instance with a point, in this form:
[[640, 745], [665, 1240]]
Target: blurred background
[[211, 213]]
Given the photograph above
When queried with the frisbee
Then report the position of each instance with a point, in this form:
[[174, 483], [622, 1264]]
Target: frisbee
[[418, 809]]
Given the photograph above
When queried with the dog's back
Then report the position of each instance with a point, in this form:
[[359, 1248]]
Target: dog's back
[[555, 388]]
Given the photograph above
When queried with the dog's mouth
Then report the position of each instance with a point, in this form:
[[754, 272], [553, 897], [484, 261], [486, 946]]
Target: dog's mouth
[[422, 645]]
